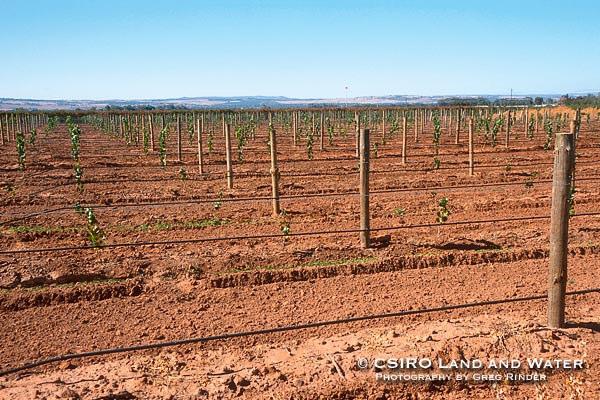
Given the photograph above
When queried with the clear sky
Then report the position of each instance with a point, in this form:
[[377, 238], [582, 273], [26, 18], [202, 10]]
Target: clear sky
[[133, 49]]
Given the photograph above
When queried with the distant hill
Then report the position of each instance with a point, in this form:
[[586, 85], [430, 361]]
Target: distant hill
[[249, 102]]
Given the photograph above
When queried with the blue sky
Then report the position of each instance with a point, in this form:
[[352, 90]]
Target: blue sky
[[83, 49]]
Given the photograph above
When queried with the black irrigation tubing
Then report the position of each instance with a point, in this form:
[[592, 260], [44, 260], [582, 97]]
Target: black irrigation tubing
[[284, 161], [279, 235], [268, 198], [288, 197], [349, 158], [335, 159], [279, 329]]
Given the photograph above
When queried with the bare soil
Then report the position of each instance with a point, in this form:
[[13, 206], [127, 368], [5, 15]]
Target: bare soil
[[68, 301]]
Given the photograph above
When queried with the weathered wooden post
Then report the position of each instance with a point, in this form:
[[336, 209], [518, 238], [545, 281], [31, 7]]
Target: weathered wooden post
[[314, 125], [137, 129], [223, 122], [416, 121], [365, 240], [151, 131], [526, 122], [7, 126], [229, 172], [559, 228], [471, 164], [12, 125], [322, 130], [1, 132], [199, 129], [404, 140], [383, 126], [295, 127], [357, 133], [178, 137], [274, 168], [508, 123], [458, 121]]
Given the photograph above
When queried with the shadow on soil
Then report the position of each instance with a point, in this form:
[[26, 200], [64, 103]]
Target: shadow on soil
[[465, 244], [595, 326]]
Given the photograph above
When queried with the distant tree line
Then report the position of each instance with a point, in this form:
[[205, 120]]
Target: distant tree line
[[482, 101], [589, 100]]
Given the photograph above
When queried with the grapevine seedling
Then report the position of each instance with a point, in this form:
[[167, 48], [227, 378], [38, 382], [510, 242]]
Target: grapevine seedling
[[9, 187], [21, 150], [182, 174], [95, 234], [437, 135], [162, 147], [375, 150], [209, 141], [443, 211], [241, 133], [572, 201], [437, 132], [285, 228], [394, 128], [495, 129], [52, 122], [33, 135], [531, 127], [146, 139], [548, 128], [78, 173], [399, 212], [309, 144], [75, 132], [190, 129], [217, 204]]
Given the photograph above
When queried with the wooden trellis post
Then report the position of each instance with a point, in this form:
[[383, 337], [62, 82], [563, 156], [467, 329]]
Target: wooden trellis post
[[178, 137], [458, 121], [199, 129], [151, 131], [416, 122], [322, 130], [12, 125], [526, 122], [137, 130], [508, 123], [471, 164], [365, 240], [295, 127], [559, 228], [383, 126], [229, 172], [357, 133], [7, 130], [404, 139], [274, 168]]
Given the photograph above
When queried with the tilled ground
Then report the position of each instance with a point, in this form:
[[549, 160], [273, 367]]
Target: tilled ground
[[79, 300]]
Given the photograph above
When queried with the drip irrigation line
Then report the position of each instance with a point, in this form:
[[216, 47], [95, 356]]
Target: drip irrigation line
[[286, 197], [280, 235], [279, 329], [336, 159]]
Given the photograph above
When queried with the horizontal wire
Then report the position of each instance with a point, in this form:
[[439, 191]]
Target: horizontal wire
[[285, 328], [280, 235]]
